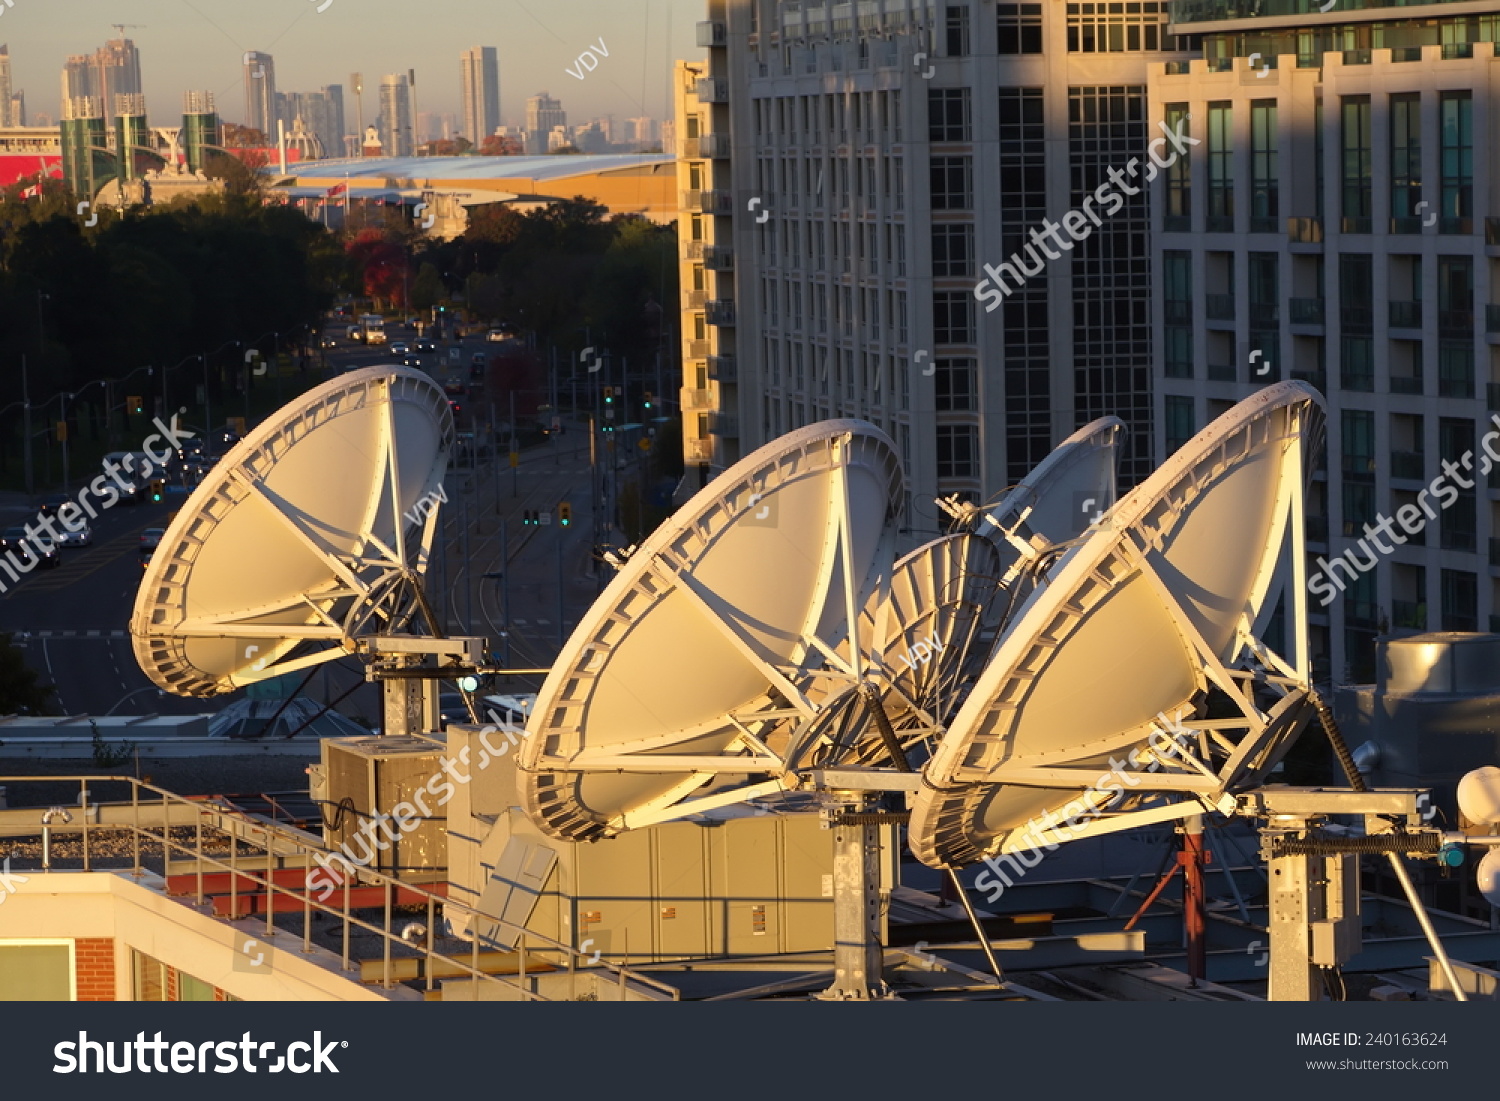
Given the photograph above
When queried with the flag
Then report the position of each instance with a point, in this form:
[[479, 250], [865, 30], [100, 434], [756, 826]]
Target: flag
[[31, 192], [337, 189]]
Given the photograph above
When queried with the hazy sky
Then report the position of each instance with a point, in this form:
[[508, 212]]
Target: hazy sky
[[188, 44]]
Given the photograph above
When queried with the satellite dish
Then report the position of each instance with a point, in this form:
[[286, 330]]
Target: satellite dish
[[1071, 489], [1488, 875], [297, 542], [1135, 626], [1479, 796], [683, 685]]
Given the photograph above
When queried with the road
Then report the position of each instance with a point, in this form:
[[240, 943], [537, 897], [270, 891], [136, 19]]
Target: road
[[72, 621]]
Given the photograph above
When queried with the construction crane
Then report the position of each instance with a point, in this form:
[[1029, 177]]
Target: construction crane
[[121, 27]]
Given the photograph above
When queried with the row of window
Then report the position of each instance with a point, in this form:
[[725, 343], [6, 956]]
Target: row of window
[[837, 119], [1405, 205]]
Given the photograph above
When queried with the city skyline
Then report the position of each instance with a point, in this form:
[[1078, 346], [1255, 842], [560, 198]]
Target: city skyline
[[184, 48]]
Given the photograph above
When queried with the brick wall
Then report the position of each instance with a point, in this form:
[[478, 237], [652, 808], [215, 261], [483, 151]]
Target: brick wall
[[95, 961]]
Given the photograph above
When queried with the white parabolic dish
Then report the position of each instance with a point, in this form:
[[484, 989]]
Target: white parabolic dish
[[689, 670], [297, 535], [1105, 647]]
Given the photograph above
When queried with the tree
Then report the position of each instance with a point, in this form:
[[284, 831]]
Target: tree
[[380, 266], [427, 291], [244, 137], [21, 690], [497, 145]]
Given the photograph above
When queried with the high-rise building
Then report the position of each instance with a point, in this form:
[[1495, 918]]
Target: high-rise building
[[480, 79], [395, 115], [260, 93], [5, 93], [543, 115], [322, 114], [77, 79], [18, 109], [1335, 222], [882, 197], [200, 128], [111, 71]]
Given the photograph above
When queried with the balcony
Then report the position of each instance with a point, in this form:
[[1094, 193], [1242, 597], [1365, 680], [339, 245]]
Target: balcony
[[697, 400], [708, 202], [1406, 384], [712, 89], [1356, 57], [1409, 614], [1358, 468], [1407, 464], [1317, 528], [1404, 315], [1456, 227], [1362, 613], [1494, 551], [700, 349], [1176, 223], [1492, 231], [1307, 311], [718, 258], [1491, 318], [1355, 225], [1356, 319], [1406, 53], [1218, 307], [1454, 50], [1456, 322], [713, 33], [1304, 231], [1178, 312], [1264, 315], [1263, 223], [706, 147], [723, 369], [1492, 395], [698, 451], [1218, 223], [693, 250], [721, 312], [1318, 380], [724, 425], [1221, 372], [1406, 225]]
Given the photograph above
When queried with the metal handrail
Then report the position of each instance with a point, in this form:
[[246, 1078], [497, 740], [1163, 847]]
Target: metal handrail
[[300, 843]]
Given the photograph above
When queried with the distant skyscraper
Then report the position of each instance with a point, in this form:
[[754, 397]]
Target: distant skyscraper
[[480, 70], [18, 109], [395, 115], [77, 79], [117, 72], [321, 112], [260, 93], [543, 115], [5, 93]]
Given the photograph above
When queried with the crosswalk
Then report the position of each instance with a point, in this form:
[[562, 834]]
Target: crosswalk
[[76, 569]]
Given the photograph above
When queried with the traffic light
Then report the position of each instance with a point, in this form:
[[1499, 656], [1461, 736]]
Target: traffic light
[[158, 489], [609, 395], [565, 514], [647, 402], [528, 517], [135, 405], [62, 431]]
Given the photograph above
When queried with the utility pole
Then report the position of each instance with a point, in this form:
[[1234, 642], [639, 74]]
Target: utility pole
[[26, 423], [515, 466], [357, 82]]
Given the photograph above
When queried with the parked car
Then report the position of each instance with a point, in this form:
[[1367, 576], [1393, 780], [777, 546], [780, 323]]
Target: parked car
[[26, 547]]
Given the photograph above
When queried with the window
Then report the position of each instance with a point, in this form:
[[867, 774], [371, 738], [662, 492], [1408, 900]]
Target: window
[[1357, 436], [1357, 363], [1355, 164], [1460, 601], [1264, 292], [1179, 172], [953, 382], [948, 114], [1119, 28], [957, 26], [957, 451], [1019, 27], [1220, 168], [1356, 292], [952, 183], [1359, 508], [1456, 115], [36, 971], [1406, 162], [952, 249], [1178, 361], [953, 317], [1265, 196], [1179, 421]]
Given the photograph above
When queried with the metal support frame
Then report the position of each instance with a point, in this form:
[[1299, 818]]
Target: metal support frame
[[858, 951]]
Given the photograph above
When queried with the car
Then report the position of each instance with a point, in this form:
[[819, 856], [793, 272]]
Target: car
[[33, 546], [495, 336], [411, 361], [82, 537], [329, 342], [400, 348], [425, 345], [52, 503], [151, 538]]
